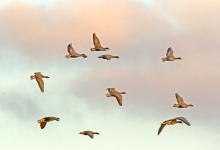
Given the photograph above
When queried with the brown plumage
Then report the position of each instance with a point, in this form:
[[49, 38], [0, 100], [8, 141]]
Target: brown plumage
[[180, 102], [43, 121], [170, 55], [114, 93], [39, 78], [97, 44], [72, 53], [89, 133], [108, 56], [173, 122]]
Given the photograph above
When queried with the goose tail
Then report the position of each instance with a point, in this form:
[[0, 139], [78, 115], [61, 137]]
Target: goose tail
[[67, 56], [32, 77], [163, 59]]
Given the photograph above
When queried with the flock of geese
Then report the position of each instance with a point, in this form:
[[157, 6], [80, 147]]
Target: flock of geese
[[112, 92]]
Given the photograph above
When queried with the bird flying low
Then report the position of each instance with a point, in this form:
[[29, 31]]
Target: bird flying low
[[45, 120], [97, 44], [89, 133], [170, 55], [38, 76], [72, 52], [181, 103], [173, 122], [112, 92], [108, 56]]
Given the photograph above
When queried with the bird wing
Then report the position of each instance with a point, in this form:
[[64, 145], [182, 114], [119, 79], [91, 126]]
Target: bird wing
[[70, 49], [119, 98], [43, 124], [169, 52], [179, 99], [96, 41], [183, 119], [40, 83], [161, 128], [90, 135]]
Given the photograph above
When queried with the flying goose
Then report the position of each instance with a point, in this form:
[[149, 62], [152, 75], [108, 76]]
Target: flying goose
[[97, 44], [44, 121], [89, 133], [181, 102], [170, 55], [72, 53], [173, 122], [114, 93], [39, 78], [108, 56]]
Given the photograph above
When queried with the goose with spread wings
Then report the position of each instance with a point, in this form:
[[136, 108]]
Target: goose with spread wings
[[180, 102], [72, 52], [173, 122], [112, 92], [97, 44], [170, 55], [89, 133], [45, 120], [38, 76]]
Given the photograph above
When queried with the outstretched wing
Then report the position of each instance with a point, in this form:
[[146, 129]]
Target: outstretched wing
[[183, 119], [169, 52], [90, 135], [40, 83], [43, 124], [70, 49], [119, 98], [96, 41], [179, 99], [161, 128]]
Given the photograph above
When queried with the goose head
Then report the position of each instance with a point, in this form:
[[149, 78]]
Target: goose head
[[32, 77], [93, 49]]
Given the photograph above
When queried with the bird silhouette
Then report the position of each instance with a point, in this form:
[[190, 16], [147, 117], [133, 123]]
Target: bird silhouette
[[97, 44], [170, 55], [72, 53], [45, 120], [38, 76], [112, 92], [173, 122]]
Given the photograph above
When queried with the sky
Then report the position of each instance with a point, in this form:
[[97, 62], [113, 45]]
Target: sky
[[34, 36]]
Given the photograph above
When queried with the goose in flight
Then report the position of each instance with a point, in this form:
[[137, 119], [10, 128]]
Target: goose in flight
[[89, 133], [39, 78], [112, 92], [173, 122], [97, 44], [72, 53], [44, 121], [180, 102], [108, 56], [170, 55]]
